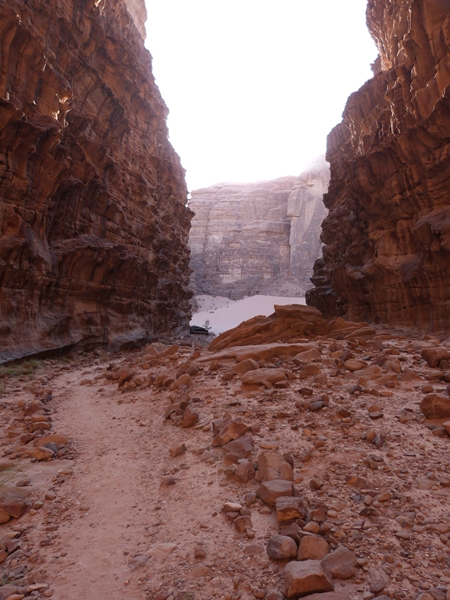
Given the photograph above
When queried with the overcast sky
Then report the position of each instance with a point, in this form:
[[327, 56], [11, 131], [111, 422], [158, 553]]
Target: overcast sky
[[254, 86]]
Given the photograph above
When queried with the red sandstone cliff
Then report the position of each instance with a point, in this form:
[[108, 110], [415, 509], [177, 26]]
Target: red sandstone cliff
[[387, 235], [94, 226]]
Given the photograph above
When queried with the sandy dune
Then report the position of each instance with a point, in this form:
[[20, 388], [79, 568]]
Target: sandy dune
[[223, 313]]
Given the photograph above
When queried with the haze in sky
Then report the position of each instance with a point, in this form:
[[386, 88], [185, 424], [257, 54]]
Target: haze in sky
[[254, 86]]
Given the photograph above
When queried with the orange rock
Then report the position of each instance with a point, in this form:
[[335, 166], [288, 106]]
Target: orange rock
[[55, 438], [435, 406]]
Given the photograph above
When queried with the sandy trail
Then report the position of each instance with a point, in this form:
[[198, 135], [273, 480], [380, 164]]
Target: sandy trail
[[124, 519]]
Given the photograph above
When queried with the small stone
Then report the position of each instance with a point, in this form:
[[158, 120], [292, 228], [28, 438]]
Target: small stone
[[245, 470], [341, 563], [281, 547], [289, 508], [232, 507], [377, 580], [137, 562], [315, 483], [42, 453], [199, 552], [312, 548], [253, 549], [423, 483], [269, 491], [177, 450], [433, 356], [306, 577], [434, 406], [272, 465], [312, 527], [125, 374], [226, 430], [354, 365], [162, 550], [190, 418]]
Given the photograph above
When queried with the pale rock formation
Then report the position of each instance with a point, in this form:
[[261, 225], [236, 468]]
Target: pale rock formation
[[259, 237]]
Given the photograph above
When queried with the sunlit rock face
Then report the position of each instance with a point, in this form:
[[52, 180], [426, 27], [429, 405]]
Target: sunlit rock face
[[94, 226], [259, 237], [387, 236]]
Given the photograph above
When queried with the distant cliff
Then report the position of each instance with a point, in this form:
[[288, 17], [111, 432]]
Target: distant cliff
[[387, 236], [93, 220], [259, 237]]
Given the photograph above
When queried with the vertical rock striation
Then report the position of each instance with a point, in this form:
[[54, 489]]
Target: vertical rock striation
[[387, 236], [258, 237], [94, 225]]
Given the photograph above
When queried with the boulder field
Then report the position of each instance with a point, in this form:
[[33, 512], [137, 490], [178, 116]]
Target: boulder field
[[311, 467]]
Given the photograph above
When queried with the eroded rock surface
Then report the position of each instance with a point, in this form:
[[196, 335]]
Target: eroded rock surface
[[387, 232], [258, 237], [92, 196]]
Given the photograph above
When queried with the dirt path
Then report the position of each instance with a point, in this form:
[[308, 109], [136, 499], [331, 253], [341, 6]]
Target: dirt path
[[118, 516]]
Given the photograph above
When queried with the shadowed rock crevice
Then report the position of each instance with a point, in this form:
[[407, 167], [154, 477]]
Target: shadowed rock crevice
[[93, 211]]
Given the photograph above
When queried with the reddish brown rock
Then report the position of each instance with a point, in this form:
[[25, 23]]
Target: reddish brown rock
[[289, 509], [272, 465], [54, 438], [287, 322], [387, 234], [435, 406], [190, 418], [94, 222], [312, 548], [433, 356], [226, 430], [246, 365], [269, 491], [241, 447], [12, 502], [341, 563], [281, 547], [306, 577], [266, 377]]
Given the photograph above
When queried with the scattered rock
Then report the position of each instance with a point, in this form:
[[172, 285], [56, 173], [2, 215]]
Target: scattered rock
[[162, 550], [377, 580], [269, 491], [435, 406], [289, 508], [177, 450], [272, 465], [312, 548], [306, 577], [225, 430], [433, 356], [281, 547], [341, 563]]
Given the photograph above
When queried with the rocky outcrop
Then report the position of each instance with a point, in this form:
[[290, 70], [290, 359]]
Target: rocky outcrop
[[93, 221], [258, 237], [387, 236]]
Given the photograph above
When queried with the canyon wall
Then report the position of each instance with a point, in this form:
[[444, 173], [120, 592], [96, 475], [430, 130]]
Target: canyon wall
[[387, 235], [258, 238], [93, 215]]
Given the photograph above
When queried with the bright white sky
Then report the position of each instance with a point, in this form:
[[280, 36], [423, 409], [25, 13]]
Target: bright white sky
[[254, 86]]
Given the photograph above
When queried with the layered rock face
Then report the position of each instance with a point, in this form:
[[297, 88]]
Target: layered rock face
[[387, 235], [94, 222], [260, 237]]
